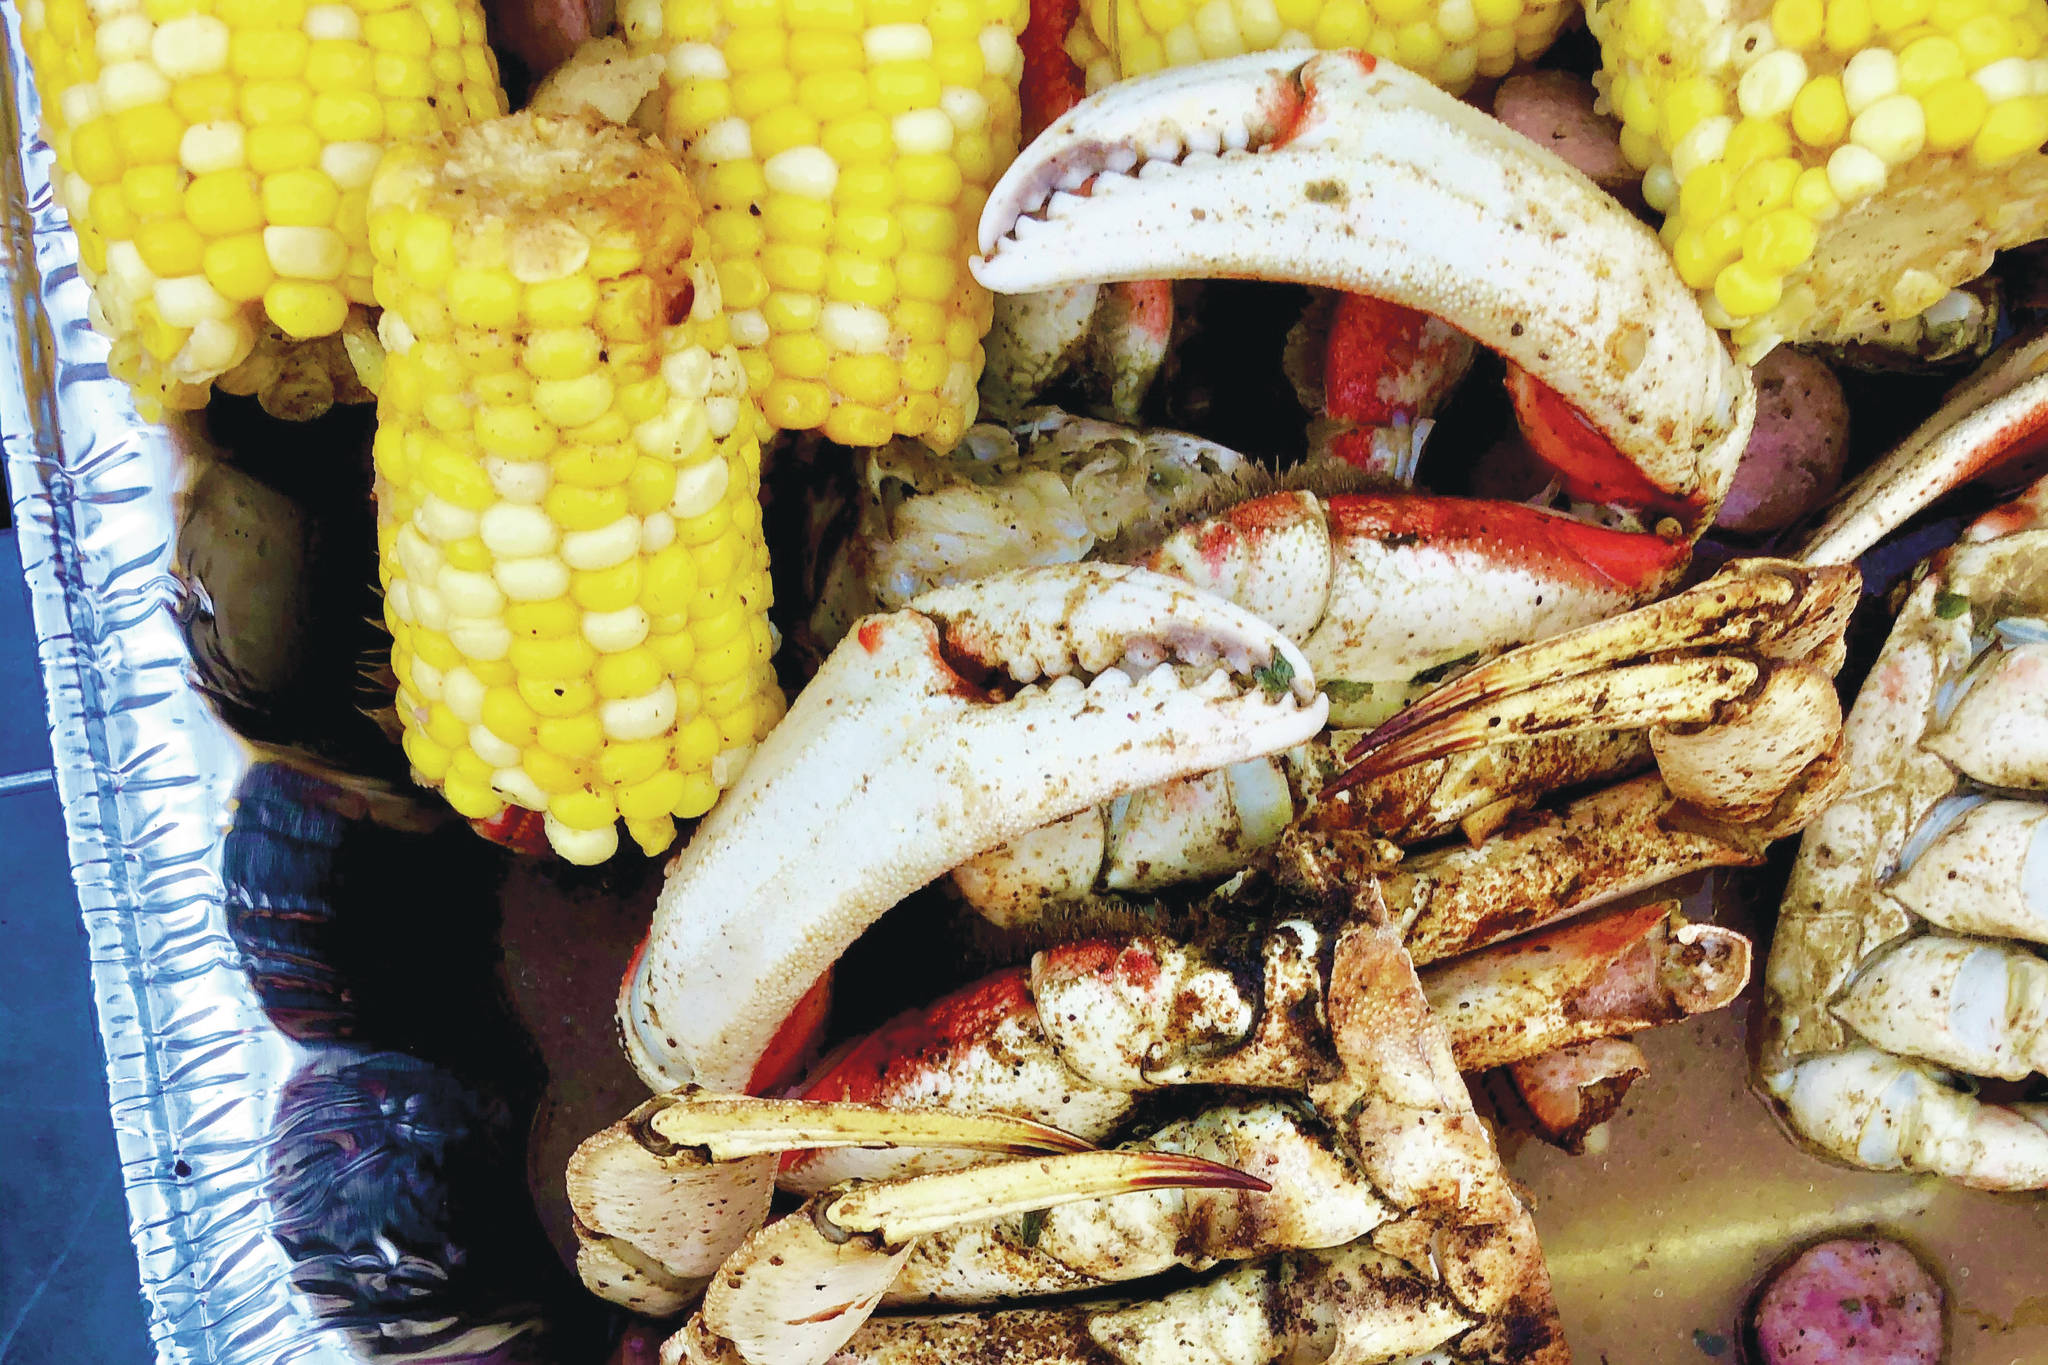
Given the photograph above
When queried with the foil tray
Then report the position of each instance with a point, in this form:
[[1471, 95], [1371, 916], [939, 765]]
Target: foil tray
[[342, 1033]]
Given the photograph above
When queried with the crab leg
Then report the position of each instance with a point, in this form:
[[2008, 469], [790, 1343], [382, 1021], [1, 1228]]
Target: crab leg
[[894, 765], [1317, 1200], [1982, 869], [1573, 1090], [1614, 973], [1992, 419], [798, 1288], [1356, 175], [665, 1193], [1738, 732]]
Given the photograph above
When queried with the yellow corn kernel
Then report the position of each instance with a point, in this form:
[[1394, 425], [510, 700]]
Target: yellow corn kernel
[[1820, 115], [1744, 291], [1955, 110], [1798, 24], [1753, 140], [281, 147], [2011, 129], [1813, 196], [1701, 252], [170, 247], [305, 308], [222, 203], [238, 267], [1849, 26], [153, 191], [1688, 101], [1779, 241], [305, 198]]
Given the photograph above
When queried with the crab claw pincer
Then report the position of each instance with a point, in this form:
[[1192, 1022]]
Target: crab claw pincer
[[930, 735], [1353, 174]]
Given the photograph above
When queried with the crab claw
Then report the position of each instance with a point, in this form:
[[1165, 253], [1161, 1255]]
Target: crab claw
[[925, 739], [1761, 639], [1353, 174], [663, 1195], [798, 1288]]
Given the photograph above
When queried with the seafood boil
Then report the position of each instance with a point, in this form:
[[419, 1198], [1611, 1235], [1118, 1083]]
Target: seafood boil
[[771, 463]]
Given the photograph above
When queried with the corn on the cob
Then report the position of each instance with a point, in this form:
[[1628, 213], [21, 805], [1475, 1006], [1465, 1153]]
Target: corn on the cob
[[1448, 42], [1825, 166], [843, 150], [568, 464], [215, 158]]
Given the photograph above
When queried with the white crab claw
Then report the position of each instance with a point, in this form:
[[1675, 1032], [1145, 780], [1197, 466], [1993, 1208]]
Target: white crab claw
[[1358, 175], [911, 751]]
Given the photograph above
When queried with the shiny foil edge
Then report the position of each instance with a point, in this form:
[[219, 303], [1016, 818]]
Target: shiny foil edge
[[146, 773]]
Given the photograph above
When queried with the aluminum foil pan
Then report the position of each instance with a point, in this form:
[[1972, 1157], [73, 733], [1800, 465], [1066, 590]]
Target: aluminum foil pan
[[318, 1098]]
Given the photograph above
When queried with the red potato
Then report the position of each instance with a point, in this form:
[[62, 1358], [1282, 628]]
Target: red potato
[[1554, 110], [1852, 1301], [1794, 460]]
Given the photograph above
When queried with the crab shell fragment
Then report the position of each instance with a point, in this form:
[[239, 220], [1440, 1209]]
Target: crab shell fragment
[[1351, 173]]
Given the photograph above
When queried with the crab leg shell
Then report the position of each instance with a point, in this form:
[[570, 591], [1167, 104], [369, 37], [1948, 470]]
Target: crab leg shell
[[1981, 1008], [1768, 609], [1572, 1090], [1613, 973], [1316, 1199], [1995, 415], [662, 1196], [1358, 175], [1546, 867], [891, 768], [797, 1289]]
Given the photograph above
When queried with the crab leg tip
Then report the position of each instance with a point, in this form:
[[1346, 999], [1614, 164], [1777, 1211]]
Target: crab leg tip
[[730, 1127]]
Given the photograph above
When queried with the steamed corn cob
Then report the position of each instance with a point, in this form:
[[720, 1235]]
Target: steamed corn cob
[[1826, 166], [843, 150], [568, 464], [1448, 42], [215, 156]]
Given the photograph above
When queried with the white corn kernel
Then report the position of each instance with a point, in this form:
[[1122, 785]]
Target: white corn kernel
[[749, 328], [1768, 88], [1660, 187], [517, 530], [489, 747], [922, 132], [215, 146], [1704, 142], [512, 783], [1870, 76], [721, 415], [967, 108], [644, 717], [1754, 41], [191, 45], [392, 333], [673, 434], [609, 632], [898, 43], [697, 61], [657, 531], [532, 580], [426, 679], [469, 593], [1457, 21], [854, 327], [464, 693], [350, 165], [517, 480], [584, 847], [699, 488], [126, 39], [337, 23], [443, 521], [130, 85], [189, 300], [305, 253], [807, 171], [417, 555], [2006, 79], [79, 104], [486, 641], [1216, 30], [687, 372], [218, 344], [728, 376], [603, 547], [640, 21], [430, 611], [2037, 69], [1855, 173], [729, 139], [1895, 128], [999, 51]]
